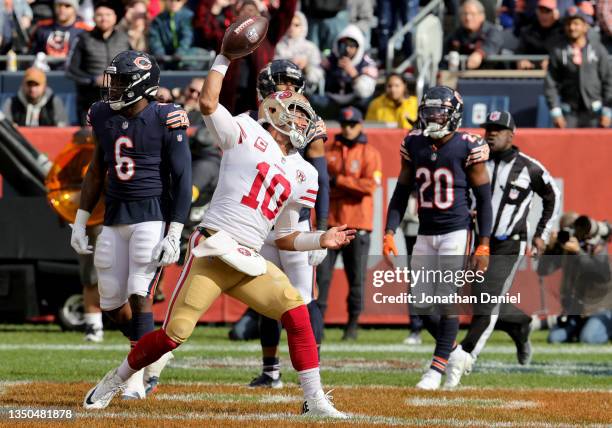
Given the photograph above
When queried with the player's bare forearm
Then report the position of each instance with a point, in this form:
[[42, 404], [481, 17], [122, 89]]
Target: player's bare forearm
[[209, 96], [287, 242], [93, 184]]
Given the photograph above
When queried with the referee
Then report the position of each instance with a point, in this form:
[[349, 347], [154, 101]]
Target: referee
[[515, 178]]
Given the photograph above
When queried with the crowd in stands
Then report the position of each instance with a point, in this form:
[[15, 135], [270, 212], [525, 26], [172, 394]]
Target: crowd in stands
[[341, 46]]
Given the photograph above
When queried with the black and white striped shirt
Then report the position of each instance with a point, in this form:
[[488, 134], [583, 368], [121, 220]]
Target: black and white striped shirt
[[515, 177]]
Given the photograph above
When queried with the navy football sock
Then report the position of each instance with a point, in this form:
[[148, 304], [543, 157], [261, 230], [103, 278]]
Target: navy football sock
[[316, 321], [270, 332], [447, 333], [430, 322], [142, 323]]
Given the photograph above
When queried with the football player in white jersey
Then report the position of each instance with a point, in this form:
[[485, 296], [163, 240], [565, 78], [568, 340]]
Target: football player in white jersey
[[263, 182]]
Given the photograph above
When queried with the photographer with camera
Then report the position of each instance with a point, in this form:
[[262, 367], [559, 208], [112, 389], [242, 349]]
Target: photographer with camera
[[350, 75], [580, 249]]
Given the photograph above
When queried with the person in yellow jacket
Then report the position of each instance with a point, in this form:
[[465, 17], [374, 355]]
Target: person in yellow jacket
[[394, 106]]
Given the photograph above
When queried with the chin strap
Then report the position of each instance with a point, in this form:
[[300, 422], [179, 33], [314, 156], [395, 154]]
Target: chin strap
[[436, 131], [297, 139]]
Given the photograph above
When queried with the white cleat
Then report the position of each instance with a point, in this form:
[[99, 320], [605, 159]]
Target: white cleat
[[101, 395], [459, 363], [430, 381], [321, 406], [134, 387], [153, 371], [413, 339]]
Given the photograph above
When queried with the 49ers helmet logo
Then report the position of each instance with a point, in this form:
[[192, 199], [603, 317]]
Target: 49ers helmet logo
[[143, 63], [284, 94], [244, 251]]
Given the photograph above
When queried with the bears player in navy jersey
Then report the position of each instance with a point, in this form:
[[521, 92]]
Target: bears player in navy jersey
[[142, 164], [284, 75], [442, 164]]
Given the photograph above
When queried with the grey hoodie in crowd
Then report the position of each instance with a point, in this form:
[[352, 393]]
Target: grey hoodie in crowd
[[290, 48], [48, 111]]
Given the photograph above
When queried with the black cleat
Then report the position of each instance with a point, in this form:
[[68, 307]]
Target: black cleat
[[350, 333], [524, 351], [265, 381]]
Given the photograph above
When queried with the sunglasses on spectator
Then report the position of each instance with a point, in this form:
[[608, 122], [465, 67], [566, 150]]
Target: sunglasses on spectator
[[544, 10], [349, 124], [192, 90]]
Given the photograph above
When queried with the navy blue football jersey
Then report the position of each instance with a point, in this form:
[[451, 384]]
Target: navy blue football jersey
[[440, 178], [148, 163]]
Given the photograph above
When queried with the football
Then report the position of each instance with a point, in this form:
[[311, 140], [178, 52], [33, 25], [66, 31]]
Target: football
[[244, 36]]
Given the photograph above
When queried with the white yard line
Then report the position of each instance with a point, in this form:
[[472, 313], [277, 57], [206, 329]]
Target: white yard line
[[332, 347], [230, 397], [356, 419], [495, 403]]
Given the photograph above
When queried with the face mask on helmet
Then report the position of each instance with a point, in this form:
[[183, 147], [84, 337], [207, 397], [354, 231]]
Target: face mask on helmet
[[121, 90], [436, 121], [300, 123], [294, 119]]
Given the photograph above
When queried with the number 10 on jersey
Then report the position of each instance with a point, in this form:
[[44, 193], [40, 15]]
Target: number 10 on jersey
[[251, 200]]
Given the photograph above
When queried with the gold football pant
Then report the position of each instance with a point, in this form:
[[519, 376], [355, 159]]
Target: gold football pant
[[204, 279]]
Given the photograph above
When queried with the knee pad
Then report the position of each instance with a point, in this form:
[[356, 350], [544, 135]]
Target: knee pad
[[179, 329], [112, 294], [140, 285]]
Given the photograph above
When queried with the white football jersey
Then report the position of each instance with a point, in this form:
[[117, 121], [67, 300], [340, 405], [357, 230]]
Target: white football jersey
[[256, 181]]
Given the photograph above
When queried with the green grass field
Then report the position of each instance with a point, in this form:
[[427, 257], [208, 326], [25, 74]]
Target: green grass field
[[33, 355]]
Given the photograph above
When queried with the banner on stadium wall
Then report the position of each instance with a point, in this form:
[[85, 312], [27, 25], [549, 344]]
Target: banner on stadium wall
[[578, 159]]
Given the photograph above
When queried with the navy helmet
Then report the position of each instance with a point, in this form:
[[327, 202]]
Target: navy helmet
[[440, 111], [130, 76], [277, 72]]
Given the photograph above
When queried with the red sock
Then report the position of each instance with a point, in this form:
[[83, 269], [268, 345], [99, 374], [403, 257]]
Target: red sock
[[302, 345], [150, 348]]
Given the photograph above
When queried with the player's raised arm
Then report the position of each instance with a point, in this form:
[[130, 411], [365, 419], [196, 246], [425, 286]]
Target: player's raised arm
[[240, 39]]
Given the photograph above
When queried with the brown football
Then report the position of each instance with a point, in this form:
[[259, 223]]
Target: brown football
[[244, 36]]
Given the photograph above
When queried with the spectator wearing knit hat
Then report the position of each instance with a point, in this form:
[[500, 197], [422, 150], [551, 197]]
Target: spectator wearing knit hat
[[578, 84], [35, 104]]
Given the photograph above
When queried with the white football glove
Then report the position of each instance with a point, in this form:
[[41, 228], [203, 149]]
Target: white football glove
[[167, 252], [316, 257], [79, 240]]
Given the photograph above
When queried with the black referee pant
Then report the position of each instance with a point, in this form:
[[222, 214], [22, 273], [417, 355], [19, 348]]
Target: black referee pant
[[506, 256], [354, 256]]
